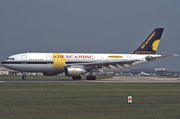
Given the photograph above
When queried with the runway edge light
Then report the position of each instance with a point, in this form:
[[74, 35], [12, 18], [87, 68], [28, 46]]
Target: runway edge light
[[129, 99]]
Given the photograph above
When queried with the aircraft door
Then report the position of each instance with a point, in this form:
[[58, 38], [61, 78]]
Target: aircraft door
[[24, 66], [24, 59], [102, 58], [129, 57], [48, 67], [48, 58]]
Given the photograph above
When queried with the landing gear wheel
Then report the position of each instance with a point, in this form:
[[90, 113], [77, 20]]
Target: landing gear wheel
[[76, 77], [91, 78], [79, 78], [24, 77]]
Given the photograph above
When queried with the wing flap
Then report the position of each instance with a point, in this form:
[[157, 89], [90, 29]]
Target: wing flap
[[101, 64]]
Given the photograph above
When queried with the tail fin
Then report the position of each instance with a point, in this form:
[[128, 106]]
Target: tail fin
[[150, 45]]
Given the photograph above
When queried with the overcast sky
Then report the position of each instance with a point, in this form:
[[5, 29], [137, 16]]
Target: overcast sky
[[92, 26]]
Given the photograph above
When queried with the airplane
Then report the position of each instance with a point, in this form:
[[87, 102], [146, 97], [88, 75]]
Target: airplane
[[144, 74], [76, 64]]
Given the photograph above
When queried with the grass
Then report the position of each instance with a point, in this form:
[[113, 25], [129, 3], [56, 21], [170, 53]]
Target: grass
[[89, 100], [56, 77]]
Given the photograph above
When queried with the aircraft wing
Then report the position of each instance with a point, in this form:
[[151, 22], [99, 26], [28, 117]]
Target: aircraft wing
[[97, 65], [149, 58]]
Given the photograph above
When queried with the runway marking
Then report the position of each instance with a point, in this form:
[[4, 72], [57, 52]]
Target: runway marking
[[2, 81]]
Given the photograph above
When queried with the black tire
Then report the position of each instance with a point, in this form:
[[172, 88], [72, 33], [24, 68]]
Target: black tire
[[94, 78], [87, 78], [79, 78], [91, 78], [24, 77], [73, 78], [76, 77]]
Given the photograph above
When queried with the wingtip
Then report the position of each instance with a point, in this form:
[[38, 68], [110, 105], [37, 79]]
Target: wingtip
[[175, 55]]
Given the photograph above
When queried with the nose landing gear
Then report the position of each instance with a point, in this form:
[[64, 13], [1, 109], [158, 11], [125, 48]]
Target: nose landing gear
[[24, 76]]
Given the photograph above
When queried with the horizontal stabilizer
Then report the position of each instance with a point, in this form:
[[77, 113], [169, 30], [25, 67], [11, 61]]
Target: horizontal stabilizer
[[149, 58]]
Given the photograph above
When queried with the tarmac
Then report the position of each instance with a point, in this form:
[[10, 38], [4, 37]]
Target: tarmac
[[115, 79], [142, 79]]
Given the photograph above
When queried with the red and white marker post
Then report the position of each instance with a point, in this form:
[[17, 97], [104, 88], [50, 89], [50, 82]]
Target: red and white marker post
[[129, 99]]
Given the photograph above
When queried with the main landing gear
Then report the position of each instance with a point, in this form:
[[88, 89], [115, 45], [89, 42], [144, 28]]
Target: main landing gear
[[88, 78], [91, 77], [76, 77]]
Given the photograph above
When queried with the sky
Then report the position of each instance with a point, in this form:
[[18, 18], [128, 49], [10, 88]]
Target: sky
[[89, 26]]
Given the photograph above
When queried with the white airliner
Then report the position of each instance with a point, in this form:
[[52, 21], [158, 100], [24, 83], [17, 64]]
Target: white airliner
[[144, 74], [76, 64]]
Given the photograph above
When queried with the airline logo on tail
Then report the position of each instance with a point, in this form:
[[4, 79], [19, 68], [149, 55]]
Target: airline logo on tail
[[147, 41], [150, 45]]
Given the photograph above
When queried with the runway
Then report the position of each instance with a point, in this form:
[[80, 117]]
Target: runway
[[115, 79], [142, 79]]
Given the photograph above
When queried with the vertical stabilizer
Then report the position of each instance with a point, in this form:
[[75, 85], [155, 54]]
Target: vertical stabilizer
[[150, 45]]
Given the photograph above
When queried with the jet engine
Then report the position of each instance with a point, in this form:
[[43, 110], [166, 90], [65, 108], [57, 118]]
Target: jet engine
[[72, 71]]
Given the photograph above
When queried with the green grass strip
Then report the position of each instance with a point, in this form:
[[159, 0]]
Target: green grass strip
[[89, 101]]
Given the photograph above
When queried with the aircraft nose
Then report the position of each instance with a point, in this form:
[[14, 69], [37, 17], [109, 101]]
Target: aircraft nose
[[2, 63]]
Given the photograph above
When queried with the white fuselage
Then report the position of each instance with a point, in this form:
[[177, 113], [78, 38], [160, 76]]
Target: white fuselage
[[55, 62]]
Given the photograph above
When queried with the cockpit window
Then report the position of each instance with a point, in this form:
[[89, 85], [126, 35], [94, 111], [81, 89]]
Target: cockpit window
[[10, 59]]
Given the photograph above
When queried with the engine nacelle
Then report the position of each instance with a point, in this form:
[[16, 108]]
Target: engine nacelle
[[72, 71], [49, 73]]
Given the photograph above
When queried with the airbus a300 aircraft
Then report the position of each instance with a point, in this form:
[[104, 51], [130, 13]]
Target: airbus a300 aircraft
[[76, 64]]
